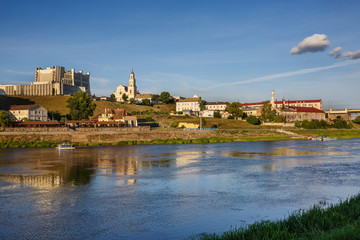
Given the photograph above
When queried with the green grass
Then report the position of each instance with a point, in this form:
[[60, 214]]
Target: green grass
[[333, 133], [339, 221], [26, 144], [162, 141]]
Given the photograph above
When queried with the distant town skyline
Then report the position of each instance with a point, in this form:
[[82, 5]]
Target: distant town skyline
[[221, 51]]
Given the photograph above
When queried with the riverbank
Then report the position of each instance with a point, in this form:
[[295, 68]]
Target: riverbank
[[85, 137], [339, 221], [104, 137]]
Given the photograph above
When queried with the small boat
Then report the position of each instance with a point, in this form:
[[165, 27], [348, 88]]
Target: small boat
[[65, 146], [322, 138]]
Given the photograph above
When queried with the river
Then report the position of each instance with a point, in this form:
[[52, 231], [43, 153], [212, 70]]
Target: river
[[168, 191]]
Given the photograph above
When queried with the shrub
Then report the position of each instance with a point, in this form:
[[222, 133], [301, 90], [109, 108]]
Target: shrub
[[174, 124], [279, 119], [217, 115], [230, 117], [149, 119], [253, 120]]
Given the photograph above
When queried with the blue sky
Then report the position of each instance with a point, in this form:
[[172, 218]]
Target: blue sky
[[220, 50]]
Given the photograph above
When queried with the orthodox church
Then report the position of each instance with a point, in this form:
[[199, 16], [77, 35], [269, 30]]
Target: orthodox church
[[130, 91]]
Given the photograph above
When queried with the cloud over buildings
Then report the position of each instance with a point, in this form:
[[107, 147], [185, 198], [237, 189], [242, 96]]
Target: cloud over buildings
[[350, 55], [314, 43], [335, 51]]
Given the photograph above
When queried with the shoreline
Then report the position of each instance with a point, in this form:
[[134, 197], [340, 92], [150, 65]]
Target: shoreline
[[320, 221], [23, 139]]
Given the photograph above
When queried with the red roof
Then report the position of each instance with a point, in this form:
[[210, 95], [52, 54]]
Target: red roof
[[299, 101], [286, 102], [22, 107], [251, 104], [306, 109], [39, 123]]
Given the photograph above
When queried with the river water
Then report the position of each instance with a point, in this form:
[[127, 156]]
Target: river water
[[168, 191]]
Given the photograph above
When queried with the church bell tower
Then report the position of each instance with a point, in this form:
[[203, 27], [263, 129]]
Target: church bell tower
[[132, 85]]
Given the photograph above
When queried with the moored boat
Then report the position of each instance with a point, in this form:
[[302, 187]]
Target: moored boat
[[65, 146]]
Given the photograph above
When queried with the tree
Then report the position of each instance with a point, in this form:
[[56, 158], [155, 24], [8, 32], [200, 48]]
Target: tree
[[165, 97], [155, 98], [279, 119], [267, 115], [357, 119], [217, 114], [235, 109], [5, 118], [112, 98], [81, 106], [146, 102], [132, 100], [253, 120], [125, 97]]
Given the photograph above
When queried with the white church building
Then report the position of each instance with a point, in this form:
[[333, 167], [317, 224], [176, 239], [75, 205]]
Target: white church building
[[130, 91]]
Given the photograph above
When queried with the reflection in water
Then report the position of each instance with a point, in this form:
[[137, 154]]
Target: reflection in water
[[167, 191]]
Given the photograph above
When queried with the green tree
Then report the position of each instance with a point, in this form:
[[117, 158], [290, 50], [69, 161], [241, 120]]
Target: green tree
[[146, 102], [155, 98], [5, 118], [253, 120], [132, 100], [81, 106], [235, 109], [357, 119], [165, 97], [124, 97], [112, 98], [267, 115], [279, 119], [217, 114], [341, 123]]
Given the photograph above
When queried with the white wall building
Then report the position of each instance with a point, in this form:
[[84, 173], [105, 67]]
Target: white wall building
[[33, 112], [188, 104]]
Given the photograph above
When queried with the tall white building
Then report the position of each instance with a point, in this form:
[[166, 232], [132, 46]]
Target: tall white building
[[51, 81]]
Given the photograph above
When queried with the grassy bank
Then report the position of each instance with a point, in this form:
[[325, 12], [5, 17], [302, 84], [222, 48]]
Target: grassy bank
[[163, 141], [27, 144], [339, 221], [333, 133]]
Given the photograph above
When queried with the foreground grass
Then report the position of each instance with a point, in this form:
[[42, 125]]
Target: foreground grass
[[339, 221]]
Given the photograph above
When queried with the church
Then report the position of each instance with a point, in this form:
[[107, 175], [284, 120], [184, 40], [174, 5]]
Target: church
[[130, 91]]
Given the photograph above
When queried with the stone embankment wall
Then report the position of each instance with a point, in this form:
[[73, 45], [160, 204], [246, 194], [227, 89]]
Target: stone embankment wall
[[103, 136]]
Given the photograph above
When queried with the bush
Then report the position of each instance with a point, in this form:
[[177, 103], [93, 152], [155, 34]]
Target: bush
[[279, 119], [217, 115], [340, 123], [174, 124], [357, 119], [230, 117], [253, 120], [149, 119]]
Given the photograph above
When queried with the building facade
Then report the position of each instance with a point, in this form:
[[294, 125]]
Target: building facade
[[33, 112], [51, 81], [130, 91], [216, 106], [189, 105]]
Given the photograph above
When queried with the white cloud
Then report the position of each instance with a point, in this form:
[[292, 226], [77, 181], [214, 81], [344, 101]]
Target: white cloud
[[19, 72], [334, 51], [351, 55], [314, 43], [287, 74], [102, 81]]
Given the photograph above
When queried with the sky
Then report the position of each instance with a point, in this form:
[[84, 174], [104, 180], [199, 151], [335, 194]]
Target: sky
[[219, 50]]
